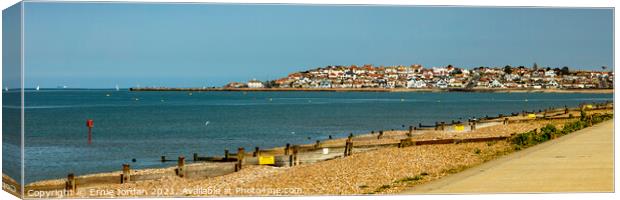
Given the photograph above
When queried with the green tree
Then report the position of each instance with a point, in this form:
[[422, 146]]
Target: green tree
[[565, 70], [508, 69]]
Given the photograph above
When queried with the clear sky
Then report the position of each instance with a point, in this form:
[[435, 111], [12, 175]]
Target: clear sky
[[194, 45]]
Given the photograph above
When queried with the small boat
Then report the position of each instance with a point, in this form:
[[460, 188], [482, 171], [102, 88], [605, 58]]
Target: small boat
[[38, 88], [117, 89]]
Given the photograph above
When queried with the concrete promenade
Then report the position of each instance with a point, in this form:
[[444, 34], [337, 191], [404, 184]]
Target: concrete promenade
[[582, 161]]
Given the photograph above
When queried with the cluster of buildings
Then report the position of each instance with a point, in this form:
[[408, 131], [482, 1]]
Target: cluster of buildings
[[417, 76]]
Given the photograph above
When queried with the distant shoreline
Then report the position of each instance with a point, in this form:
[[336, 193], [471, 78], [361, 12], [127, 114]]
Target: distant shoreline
[[490, 90]]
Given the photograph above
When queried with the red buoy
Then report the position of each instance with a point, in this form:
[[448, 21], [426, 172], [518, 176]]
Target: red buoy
[[90, 124]]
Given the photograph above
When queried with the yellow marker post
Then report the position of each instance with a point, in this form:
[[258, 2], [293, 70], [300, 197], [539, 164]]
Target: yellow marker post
[[266, 160], [531, 116], [459, 127]]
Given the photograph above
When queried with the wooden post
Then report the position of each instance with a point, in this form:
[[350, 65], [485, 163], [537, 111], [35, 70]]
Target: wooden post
[[443, 126], [195, 157], [380, 135], [317, 144], [565, 110], [90, 135], [410, 131], [286, 149], [436, 125], [506, 121], [181, 167], [350, 149], [90, 125], [346, 148], [163, 158], [240, 156], [420, 125], [226, 155], [125, 177], [295, 158], [256, 152], [70, 184], [291, 160]]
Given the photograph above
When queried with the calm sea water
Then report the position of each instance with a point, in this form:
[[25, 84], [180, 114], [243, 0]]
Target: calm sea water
[[146, 125]]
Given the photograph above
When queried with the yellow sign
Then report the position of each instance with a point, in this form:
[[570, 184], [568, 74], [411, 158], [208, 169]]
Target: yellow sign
[[266, 160], [459, 127], [589, 106], [531, 116]]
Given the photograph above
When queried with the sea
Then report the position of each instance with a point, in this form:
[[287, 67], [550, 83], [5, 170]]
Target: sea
[[139, 127]]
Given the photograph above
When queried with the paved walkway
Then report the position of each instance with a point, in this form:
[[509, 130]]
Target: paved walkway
[[582, 161]]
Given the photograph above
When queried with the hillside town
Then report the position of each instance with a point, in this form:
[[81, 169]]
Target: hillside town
[[446, 77]]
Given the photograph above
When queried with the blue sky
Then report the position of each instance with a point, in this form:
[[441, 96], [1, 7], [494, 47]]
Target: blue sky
[[194, 45]]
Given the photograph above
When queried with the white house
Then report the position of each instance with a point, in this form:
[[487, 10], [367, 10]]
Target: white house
[[495, 84], [325, 84], [441, 84], [416, 83], [552, 84], [255, 84], [550, 73]]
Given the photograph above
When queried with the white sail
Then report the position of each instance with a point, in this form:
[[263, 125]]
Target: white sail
[[37, 88], [117, 89]]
